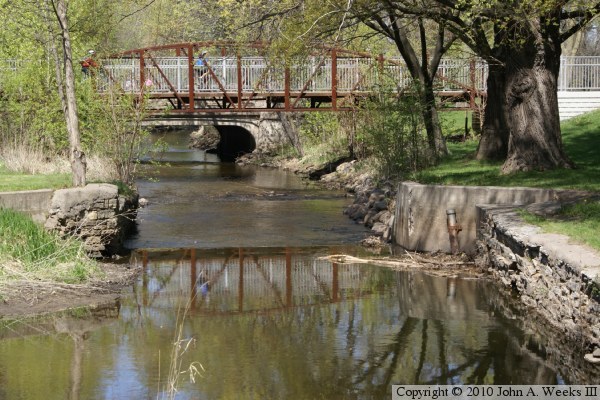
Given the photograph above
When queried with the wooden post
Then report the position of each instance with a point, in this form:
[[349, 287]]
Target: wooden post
[[142, 73], [286, 89]]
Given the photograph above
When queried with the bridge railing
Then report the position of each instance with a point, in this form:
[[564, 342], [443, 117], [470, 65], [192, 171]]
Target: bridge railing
[[166, 75], [579, 73], [576, 73]]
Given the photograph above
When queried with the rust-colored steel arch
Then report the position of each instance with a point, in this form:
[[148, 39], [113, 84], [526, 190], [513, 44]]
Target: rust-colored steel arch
[[245, 77]]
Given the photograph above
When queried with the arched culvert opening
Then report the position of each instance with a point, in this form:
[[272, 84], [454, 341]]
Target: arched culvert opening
[[235, 141]]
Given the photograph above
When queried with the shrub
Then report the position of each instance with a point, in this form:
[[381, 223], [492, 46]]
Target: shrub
[[391, 129]]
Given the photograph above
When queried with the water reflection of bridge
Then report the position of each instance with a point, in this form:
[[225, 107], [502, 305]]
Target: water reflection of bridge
[[240, 281], [375, 325]]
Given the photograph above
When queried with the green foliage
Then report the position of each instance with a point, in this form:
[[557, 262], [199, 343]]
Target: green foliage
[[27, 250], [324, 137], [109, 124], [392, 131], [111, 127], [32, 112]]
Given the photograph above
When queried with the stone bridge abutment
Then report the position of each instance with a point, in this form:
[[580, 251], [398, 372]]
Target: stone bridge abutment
[[240, 132]]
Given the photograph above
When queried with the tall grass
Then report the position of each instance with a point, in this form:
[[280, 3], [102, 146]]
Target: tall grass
[[29, 252], [23, 167], [31, 160], [179, 348]]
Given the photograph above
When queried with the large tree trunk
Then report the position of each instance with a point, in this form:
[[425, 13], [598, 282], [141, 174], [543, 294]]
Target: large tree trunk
[[77, 156], [432, 122], [531, 98], [493, 144]]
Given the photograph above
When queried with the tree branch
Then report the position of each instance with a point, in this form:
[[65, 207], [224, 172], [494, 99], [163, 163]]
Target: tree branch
[[584, 16]]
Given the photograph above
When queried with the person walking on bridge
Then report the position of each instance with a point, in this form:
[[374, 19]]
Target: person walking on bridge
[[201, 68], [88, 63]]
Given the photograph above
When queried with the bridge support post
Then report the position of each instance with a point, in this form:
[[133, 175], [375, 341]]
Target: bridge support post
[[286, 100], [240, 80], [191, 84], [334, 79], [142, 74]]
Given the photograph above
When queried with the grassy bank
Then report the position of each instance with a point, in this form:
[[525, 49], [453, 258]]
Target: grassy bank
[[29, 252], [13, 181], [581, 138], [581, 222]]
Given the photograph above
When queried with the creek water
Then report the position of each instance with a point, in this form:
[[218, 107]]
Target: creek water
[[237, 281]]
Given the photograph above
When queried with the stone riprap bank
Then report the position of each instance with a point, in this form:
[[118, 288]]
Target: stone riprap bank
[[96, 213], [552, 276]]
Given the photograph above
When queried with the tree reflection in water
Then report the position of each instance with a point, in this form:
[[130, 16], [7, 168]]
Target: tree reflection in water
[[289, 321], [277, 323]]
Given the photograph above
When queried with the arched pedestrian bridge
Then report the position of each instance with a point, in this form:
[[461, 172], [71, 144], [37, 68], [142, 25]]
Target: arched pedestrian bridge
[[241, 79], [243, 86]]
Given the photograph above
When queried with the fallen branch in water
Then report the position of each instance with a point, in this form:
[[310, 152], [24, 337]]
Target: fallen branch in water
[[414, 261]]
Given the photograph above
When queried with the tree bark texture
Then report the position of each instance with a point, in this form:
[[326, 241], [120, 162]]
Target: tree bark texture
[[493, 144], [431, 119], [531, 100], [77, 156], [522, 124]]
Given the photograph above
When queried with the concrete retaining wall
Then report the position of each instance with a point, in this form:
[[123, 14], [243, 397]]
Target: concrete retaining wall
[[33, 202], [421, 212], [553, 277]]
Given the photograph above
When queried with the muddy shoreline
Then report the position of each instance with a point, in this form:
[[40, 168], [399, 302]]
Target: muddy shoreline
[[35, 298]]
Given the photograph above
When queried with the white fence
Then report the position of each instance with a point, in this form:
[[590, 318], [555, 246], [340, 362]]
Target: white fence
[[314, 75]]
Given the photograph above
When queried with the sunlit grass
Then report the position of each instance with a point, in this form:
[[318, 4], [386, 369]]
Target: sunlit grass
[[581, 138], [14, 181], [581, 222], [29, 252]]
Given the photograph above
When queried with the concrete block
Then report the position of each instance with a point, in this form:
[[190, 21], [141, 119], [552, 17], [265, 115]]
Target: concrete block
[[33, 202], [421, 212]]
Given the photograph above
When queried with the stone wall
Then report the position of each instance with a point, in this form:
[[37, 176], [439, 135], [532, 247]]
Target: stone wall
[[552, 277], [97, 214]]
